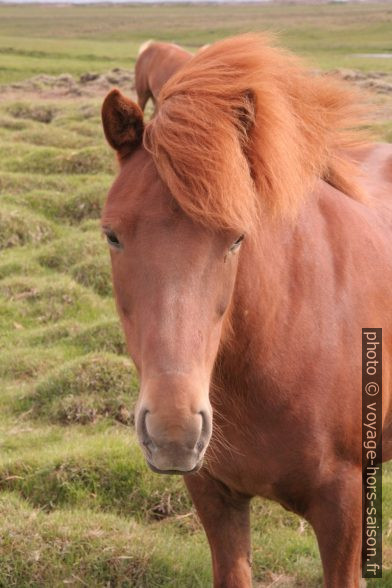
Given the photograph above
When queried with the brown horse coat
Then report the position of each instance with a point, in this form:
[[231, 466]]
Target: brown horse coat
[[263, 340], [156, 63]]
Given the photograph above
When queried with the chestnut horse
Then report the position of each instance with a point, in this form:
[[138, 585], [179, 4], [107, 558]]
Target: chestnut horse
[[250, 236], [156, 63]]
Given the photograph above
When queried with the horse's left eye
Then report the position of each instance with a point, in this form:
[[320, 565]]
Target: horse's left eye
[[237, 243], [112, 240]]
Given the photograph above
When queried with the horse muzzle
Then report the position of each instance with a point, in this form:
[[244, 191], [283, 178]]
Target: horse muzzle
[[174, 448]]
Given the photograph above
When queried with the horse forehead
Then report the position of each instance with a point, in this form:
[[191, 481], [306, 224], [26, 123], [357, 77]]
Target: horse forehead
[[137, 189]]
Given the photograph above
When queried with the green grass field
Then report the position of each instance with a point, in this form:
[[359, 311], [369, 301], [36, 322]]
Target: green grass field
[[78, 506], [75, 39]]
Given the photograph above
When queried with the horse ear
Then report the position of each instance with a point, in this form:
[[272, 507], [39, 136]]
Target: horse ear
[[122, 122]]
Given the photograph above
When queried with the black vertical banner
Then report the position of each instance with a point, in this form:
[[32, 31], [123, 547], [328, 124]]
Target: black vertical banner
[[372, 453]]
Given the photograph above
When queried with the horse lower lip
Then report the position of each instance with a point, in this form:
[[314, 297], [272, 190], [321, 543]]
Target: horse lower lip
[[175, 472]]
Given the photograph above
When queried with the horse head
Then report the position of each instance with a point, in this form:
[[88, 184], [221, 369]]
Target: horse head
[[173, 281]]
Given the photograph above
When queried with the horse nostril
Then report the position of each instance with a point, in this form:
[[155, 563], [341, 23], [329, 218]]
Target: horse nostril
[[206, 430], [141, 428], [143, 418], [200, 446], [206, 421], [148, 445]]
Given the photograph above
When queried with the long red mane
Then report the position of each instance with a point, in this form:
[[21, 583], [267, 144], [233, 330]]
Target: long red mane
[[244, 128]]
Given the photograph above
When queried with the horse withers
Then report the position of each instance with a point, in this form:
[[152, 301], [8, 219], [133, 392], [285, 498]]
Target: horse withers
[[250, 239]]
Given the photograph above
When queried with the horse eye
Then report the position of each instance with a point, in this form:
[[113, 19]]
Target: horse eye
[[237, 243], [112, 240]]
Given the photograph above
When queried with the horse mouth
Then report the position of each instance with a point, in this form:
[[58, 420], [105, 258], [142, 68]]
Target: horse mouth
[[175, 472]]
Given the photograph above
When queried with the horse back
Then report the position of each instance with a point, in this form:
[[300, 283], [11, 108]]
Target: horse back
[[156, 63]]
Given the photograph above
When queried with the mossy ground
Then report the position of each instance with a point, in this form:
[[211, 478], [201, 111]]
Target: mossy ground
[[78, 505]]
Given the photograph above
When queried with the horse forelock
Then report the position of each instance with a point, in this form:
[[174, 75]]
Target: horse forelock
[[244, 129]]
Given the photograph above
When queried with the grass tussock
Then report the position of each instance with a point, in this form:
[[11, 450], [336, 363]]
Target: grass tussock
[[43, 113], [86, 389], [12, 124], [50, 160], [65, 546], [89, 129], [105, 336], [79, 205], [43, 136], [54, 333], [68, 251], [19, 182], [25, 363], [86, 203], [41, 300], [94, 273], [11, 268], [17, 261], [19, 226], [105, 473]]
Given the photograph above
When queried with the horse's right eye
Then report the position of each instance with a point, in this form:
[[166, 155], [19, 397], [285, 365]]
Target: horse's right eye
[[237, 243], [112, 240]]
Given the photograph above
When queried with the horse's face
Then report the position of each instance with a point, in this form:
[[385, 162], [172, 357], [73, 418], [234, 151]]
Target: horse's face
[[173, 282]]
